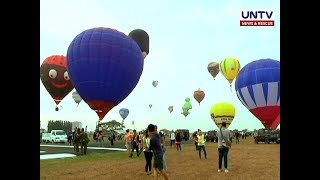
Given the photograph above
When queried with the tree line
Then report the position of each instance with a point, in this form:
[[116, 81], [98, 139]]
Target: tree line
[[59, 125]]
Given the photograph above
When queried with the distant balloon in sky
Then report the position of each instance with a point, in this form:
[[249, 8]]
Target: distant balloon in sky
[[258, 89], [150, 105], [213, 69], [104, 65], [76, 97], [222, 112], [142, 39], [124, 112], [187, 99], [230, 68], [55, 77], [170, 108], [154, 83], [199, 95], [185, 111], [187, 105]]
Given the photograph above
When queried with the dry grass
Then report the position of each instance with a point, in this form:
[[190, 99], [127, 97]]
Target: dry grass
[[247, 161]]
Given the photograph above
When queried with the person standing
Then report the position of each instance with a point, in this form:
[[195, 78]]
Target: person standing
[[112, 137], [163, 140], [135, 143], [128, 139], [237, 134], [178, 141], [223, 149], [147, 152], [172, 138], [195, 138], [84, 140], [100, 138], [155, 146], [77, 141], [201, 144]]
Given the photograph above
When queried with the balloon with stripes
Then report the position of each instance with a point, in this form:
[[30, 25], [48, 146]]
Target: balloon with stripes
[[258, 89]]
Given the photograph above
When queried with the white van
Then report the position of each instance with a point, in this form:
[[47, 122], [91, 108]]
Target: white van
[[58, 136]]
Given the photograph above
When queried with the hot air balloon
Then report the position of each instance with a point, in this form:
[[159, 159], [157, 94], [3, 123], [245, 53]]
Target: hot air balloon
[[199, 95], [76, 97], [222, 112], [141, 37], [230, 68], [185, 111], [55, 78], [213, 69], [170, 108], [187, 99], [124, 112], [155, 83], [150, 105], [104, 65], [258, 89], [187, 105]]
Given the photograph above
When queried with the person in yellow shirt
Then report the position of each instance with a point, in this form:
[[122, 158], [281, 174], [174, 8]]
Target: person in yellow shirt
[[147, 152], [201, 144]]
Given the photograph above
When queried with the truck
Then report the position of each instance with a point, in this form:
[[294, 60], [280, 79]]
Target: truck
[[267, 136], [184, 133], [55, 136], [211, 136]]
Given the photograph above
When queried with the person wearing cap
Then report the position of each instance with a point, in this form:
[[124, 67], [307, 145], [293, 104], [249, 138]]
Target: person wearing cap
[[222, 147], [155, 146]]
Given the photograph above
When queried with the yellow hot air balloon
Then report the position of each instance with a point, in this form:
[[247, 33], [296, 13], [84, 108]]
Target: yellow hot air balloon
[[230, 68], [222, 112]]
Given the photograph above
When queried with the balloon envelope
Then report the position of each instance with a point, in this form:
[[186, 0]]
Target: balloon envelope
[[155, 83], [76, 97], [105, 65], [124, 112], [187, 105], [55, 77], [170, 108], [187, 99], [199, 95], [258, 89], [230, 68], [150, 105], [222, 112], [185, 112], [141, 37], [213, 69]]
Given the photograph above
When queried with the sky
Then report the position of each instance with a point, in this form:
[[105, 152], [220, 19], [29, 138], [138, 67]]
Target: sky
[[184, 37]]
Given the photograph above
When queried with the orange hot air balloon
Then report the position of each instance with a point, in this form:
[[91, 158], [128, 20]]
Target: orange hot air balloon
[[213, 69], [199, 95]]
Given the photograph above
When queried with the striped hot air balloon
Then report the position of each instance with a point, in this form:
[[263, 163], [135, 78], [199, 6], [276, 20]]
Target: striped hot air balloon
[[230, 68], [258, 88]]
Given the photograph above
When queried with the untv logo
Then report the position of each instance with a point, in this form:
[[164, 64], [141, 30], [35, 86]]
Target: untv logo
[[257, 18]]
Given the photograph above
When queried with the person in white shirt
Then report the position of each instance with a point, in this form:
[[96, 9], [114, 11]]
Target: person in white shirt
[[172, 138]]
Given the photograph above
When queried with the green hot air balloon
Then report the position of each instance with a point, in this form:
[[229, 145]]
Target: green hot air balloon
[[185, 112], [187, 105]]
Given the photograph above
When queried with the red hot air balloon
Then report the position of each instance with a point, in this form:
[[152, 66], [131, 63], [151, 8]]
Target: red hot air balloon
[[55, 78], [199, 95]]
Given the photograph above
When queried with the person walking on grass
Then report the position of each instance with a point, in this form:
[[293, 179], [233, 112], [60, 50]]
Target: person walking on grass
[[172, 138], [135, 143], [84, 140], [155, 146], [201, 144]]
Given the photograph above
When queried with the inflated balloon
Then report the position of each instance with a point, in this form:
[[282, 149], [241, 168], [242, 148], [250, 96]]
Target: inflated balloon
[[124, 112], [222, 112], [258, 89], [276, 123], [141, 37], [187, 105], [187, 99], [170, 108], [213, 69], [155, 83], [55, 77], [104, 65], [76, 97], [150, 105], [199, 95], [185, 112], [230, 68]]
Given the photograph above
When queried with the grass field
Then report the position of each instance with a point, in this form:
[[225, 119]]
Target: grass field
[[247, 161]]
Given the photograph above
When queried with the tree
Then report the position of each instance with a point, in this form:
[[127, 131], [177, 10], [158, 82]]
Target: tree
[[63, 125]]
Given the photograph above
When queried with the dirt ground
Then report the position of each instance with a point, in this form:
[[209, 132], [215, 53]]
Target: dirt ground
[[247, 161]]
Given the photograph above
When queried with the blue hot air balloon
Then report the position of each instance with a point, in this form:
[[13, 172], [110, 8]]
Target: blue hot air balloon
[[258, 89], [124, 112], [104, 66]]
